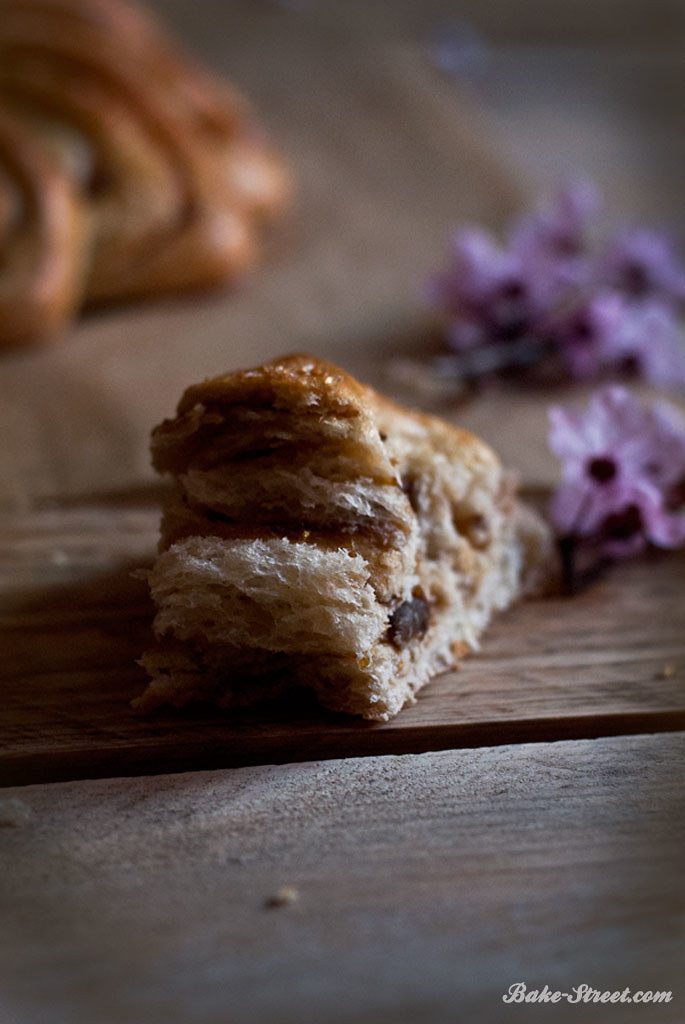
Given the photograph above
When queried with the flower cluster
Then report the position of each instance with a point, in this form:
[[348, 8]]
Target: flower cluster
[[593, 307], [623, 483]]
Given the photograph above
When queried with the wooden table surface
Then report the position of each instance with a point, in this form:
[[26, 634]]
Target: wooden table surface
[[610, 661], [523, 822]]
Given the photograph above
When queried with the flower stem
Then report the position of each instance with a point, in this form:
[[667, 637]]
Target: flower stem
[[574, 577]]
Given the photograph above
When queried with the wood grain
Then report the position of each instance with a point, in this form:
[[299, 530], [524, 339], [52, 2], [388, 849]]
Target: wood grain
[[426, 886], [74, 620]]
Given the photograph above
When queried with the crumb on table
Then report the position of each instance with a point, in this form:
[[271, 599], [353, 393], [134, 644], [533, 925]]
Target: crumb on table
[[14, 813], [283, 896]]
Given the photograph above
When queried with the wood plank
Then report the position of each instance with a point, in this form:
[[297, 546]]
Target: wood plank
[[426, 886], [74, 621]]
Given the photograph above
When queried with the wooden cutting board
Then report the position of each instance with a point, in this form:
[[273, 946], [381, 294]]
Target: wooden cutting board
[[74, 620]]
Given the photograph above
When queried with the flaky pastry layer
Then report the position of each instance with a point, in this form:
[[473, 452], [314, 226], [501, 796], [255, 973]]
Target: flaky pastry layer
[[320, 535]]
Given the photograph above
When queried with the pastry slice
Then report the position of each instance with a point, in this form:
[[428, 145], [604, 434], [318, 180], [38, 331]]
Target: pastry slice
[[320, 535]]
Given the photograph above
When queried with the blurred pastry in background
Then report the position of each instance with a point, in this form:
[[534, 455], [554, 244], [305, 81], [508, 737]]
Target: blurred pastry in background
[[126, 171]]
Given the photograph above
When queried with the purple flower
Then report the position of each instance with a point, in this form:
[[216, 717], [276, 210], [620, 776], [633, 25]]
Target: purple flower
[[623, 466], [644, 265], [550, 294], [480, 270], [485, 291], [553, 242], [647, 339], [560, 227], [610, 334], [585, 335]]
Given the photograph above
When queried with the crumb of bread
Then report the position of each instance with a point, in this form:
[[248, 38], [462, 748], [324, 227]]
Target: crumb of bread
[[14, 813], [283, 897]]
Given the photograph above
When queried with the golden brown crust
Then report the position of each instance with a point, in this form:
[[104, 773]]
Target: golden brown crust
[[308, 384], [292, 381], [172, 175], [316, 417]]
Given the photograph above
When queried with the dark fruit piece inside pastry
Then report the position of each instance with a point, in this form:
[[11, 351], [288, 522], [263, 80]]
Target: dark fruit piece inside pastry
[[320, 535]]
